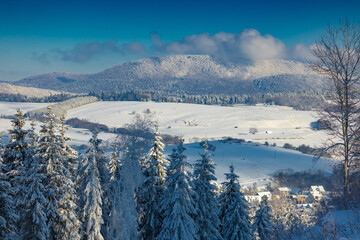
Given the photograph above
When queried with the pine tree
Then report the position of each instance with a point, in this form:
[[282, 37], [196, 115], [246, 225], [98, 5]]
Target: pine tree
[[114, 165], [134, 148], [235, 219], [15, 151], [290, 219], [102, 166], [62, 218], [178, 204], [72, 161], [92, 212], [114, 195], [15, 158], [151, 192], [8, 215], [263, 224], [207, 205], [34, 220]]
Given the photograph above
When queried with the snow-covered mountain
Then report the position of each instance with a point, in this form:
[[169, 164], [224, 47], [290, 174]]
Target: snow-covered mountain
[[188, 74]]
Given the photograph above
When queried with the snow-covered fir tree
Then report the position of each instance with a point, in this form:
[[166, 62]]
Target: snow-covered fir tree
[[150, 195], [134, 148], [34, 221], [15, 151], [72, 162], [114, 194], [8, 214], [123, 220], [234, 214], [91, 199], [114, 164], [104, 176], [263, 225], [290, 219], [207, 205], [15, 157], [53, 151], [178, 203]]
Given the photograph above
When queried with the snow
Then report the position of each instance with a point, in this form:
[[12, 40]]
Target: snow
[[205, 66], [253, 162], [345, 223], [10, 108], [194, 121], [26, 91]]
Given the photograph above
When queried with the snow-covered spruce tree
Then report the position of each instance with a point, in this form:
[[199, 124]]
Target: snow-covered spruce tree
[[53, 151], [207, 206], [72, 162], [91, 199], [15, 157], [134, 147], [15, 151], [114, 194], [291, 220], [178, 205], [263, 225], [8, 215], [102, 166], [34, 220], [234, 214], [151, 192], [114, 165]]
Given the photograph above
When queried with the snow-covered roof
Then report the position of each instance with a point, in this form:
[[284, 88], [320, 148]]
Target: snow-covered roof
[[252, 198], [284, 189], [316, 194], [317, 189], [267, 194]]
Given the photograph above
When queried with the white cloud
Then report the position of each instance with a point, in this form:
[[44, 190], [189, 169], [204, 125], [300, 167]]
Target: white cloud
[[254, 46], [249, 44], [303, 52]]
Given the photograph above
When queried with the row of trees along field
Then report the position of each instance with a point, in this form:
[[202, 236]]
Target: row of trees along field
[[51, 191]]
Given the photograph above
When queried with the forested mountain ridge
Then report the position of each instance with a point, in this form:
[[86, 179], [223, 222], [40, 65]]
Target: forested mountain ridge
[[189, 74]]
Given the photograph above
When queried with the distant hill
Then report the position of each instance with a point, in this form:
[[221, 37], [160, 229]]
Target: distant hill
[[29, 92], [191, 74]]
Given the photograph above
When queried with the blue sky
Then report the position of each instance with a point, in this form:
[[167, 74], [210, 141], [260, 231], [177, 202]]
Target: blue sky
[[88, 36]]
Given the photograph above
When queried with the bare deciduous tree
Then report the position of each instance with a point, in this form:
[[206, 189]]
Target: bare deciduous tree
[[338, 58]]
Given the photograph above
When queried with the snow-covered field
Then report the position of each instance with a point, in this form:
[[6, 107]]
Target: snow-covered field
[[275, 124], [10, 108], [254, 162], [80, 136]]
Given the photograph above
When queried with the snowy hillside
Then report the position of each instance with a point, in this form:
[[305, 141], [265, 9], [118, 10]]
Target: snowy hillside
[[203, 67], [26, 91], [192, 74], [275, 124]]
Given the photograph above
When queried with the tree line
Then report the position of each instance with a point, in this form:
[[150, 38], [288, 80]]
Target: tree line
[[302, 100]]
